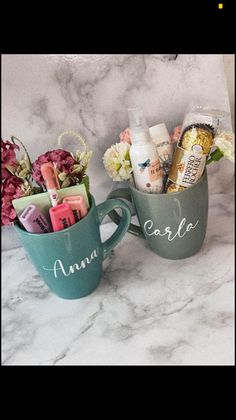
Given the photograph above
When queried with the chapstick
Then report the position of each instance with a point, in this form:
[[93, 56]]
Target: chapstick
[[78, 206], [33, 220]]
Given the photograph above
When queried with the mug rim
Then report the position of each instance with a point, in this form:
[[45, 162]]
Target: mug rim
[[81, 221], [173, 193]]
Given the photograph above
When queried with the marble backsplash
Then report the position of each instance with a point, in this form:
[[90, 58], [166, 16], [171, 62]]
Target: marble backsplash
[[43, 95]]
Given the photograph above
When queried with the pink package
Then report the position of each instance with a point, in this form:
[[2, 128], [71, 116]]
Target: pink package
[[61, 217], [78, 206]]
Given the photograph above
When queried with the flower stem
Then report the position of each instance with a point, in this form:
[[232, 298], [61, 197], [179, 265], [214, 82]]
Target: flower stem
[[215, 156]]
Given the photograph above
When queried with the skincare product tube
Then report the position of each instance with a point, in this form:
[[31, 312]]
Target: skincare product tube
[[161, 138], [50, 177], [147, 172]]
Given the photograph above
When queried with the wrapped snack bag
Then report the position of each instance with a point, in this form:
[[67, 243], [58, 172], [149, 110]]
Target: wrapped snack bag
[[194, 145]]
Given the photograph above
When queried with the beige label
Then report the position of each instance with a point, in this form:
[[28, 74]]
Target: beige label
[[154, 171], [187, 167]]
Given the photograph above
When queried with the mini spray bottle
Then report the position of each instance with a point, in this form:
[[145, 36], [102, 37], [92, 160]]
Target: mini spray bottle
[[147, 172]]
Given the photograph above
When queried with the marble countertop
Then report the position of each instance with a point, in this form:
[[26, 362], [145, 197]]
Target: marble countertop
[[146, 310]]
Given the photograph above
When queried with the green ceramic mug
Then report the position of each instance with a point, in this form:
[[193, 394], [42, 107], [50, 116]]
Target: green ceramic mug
[[174, 224], [70, 260]]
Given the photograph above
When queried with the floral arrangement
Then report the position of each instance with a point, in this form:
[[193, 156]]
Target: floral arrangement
[[224, 147], [117, 162], [22, 178]]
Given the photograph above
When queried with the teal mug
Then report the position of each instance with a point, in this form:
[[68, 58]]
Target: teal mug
[[70, 260], [174, 225]]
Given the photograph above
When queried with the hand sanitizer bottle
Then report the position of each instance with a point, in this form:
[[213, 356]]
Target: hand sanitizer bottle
[[147, 172]]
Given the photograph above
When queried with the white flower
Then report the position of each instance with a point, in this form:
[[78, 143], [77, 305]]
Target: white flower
[[225, 142], [117, 162]]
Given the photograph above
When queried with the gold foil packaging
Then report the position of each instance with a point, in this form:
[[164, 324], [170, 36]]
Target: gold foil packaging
[[191, 152]]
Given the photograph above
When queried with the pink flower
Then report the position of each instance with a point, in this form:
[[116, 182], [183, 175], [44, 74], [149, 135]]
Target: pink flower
[[10, 189], [125, 136], [175, 135], [63, 160], [8, 157]]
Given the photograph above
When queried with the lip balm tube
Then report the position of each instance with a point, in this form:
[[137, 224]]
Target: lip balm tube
[[33, 220], [61, 216], [50, 177], [78, 206]]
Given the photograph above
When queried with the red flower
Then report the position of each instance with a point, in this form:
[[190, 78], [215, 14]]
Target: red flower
[[125, 136], [8, 157], [63, 160], [10, 189]]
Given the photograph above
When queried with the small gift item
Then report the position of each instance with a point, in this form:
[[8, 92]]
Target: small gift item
[[33, 220], [174, 225], [69, 254], [161, 138], [148, 175], [78, 206], [192, 150], [23, 183], [43, 203], [61, 217]]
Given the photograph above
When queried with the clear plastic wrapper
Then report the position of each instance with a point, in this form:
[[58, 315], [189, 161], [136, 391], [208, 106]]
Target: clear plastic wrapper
[[196, 140]]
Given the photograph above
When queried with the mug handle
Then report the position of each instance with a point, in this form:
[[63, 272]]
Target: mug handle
[[123, 223], [124, 193]]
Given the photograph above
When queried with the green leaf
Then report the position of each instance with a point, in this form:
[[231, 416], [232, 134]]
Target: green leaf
[[37, 190], [23, 173], [11, 169], [66, 183], [77, 169], [62, 176], [86, 182]]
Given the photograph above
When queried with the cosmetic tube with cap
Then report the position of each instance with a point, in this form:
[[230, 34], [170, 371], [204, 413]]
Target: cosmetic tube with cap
[[49, 175]]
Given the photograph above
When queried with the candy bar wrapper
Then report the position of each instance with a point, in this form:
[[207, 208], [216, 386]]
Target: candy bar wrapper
[[191, 152]]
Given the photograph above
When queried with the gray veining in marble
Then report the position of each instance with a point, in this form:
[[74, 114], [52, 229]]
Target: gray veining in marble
[[43, 95], [146, 310]]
